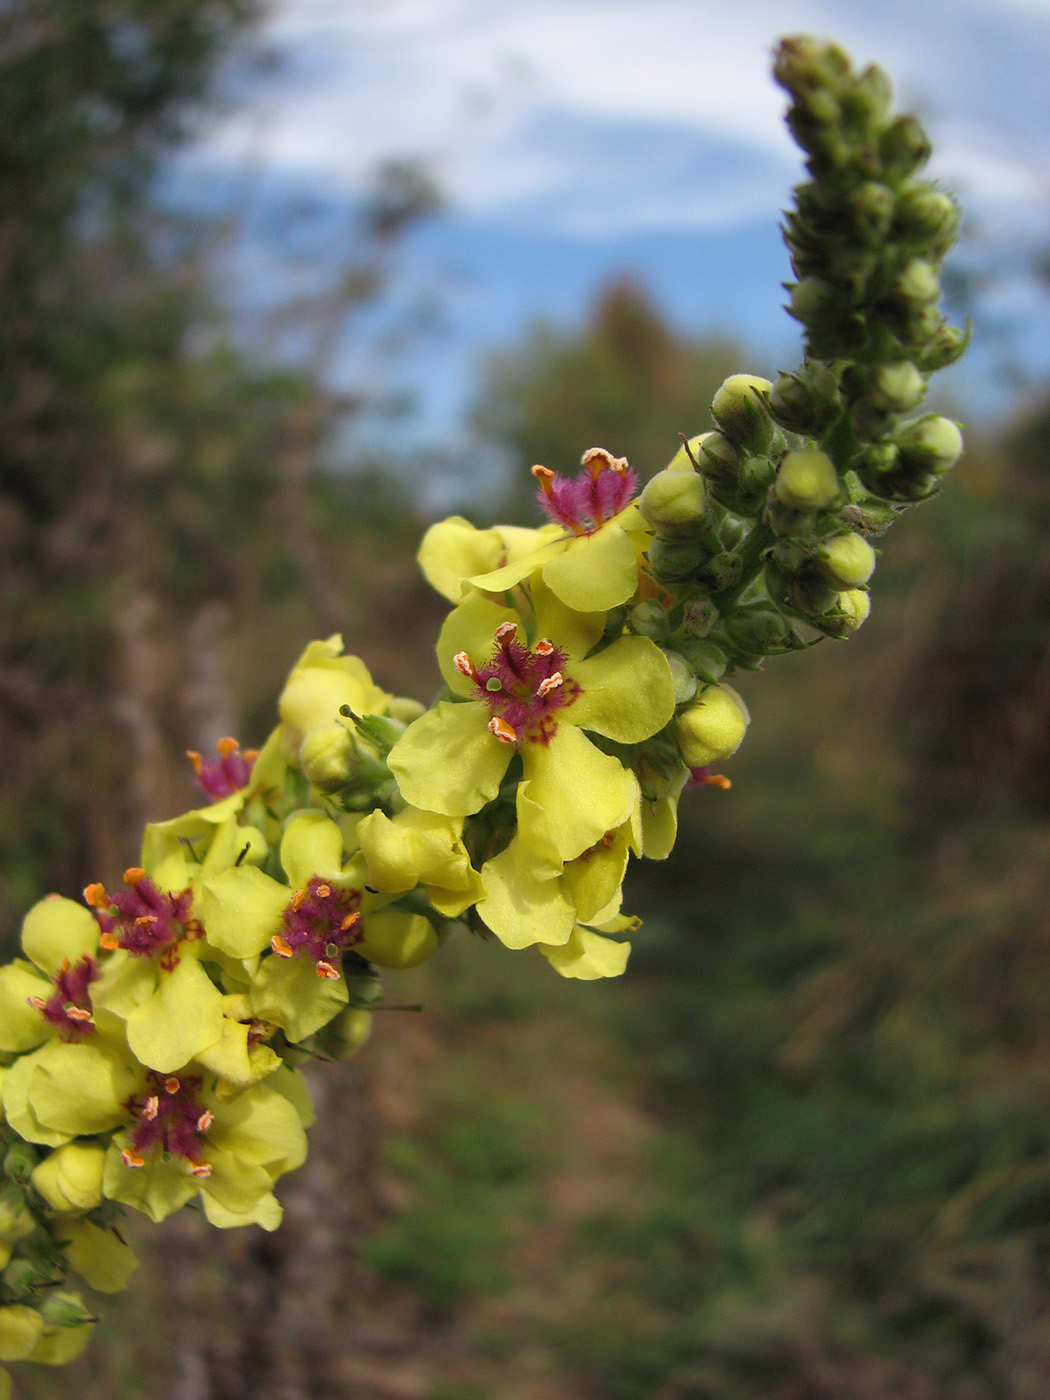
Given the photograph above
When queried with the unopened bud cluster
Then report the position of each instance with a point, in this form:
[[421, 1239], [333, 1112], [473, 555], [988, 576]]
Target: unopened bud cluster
[[151, 1036]]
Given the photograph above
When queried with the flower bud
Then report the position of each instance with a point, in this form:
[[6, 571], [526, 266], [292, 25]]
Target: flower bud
[[739, 409], [871, 207], [682, 676], [712, 728], [658, 768], [345, 1035], [674, 559], [673, 503], [926, 215], [724, 571], [807, 480], [649, 619], [943, 348], [65, 1310], [758, 630], [931, 444], [720, 464], [19, 1161], [903, 147], [707, 660], [15, 1220], [70, 1179], [327, 757], [917, 283], [870, 516], [806, 594], [404, 709], [846, 561], [808, 401], [850, 610], [897, 387], [699, 617]]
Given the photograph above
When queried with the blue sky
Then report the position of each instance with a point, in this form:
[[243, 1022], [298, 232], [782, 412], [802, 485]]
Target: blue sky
[[578, 139]]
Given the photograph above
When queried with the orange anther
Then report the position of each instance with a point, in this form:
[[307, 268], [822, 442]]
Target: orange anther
[[144, 920], [543, 647], [324, 891], [297, 900], [201, 1169], [501, 730], [250, 755], [134, 875], [172, 1085], [227, 746], [465, 666], [325, 969], [64, 964], [349, 922], [37, 1003], [506, 632], [195, 758], [551, 683], [151, 1108], [77, 1013], [717, 780], [281, 946], [132, 1159], [95, 895], [107, 941], [205, 1121], [544, 476]]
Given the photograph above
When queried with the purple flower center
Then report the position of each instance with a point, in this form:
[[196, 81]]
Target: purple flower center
[[69, 1008], [221, 777], [143, 920], [320, 923], [169, 1116], [523, 688], [583, 503]]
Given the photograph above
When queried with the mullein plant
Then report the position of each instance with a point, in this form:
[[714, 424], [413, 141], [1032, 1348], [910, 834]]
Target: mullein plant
[[152, 1035]]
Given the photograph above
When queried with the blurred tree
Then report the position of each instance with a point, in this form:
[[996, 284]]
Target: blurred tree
[[625, 381], [162, 497]]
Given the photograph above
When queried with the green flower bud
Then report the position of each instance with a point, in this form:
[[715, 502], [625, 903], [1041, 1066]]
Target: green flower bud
[[712, 728], [19, 1161], [345, 1035], [16, 1221], [897, 387], [673, 503], [724, 571], [851, 609], [931, 444], [658, 768], [699, 617], [720, 463], [739, 409], [805, 594], [759, 630], [815, 302], [871, 207], [846, 561], [327, 757], [674, 559], [807, 402], [70, 1179], [926, 216], [917, 284], [65, 1310], [649, 619], [682, 676], [903, 147], [943, 348], [707, 660], [867, 100], [807, 480]]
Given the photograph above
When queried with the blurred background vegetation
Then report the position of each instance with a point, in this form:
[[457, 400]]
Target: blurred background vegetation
[[802, 1150]]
